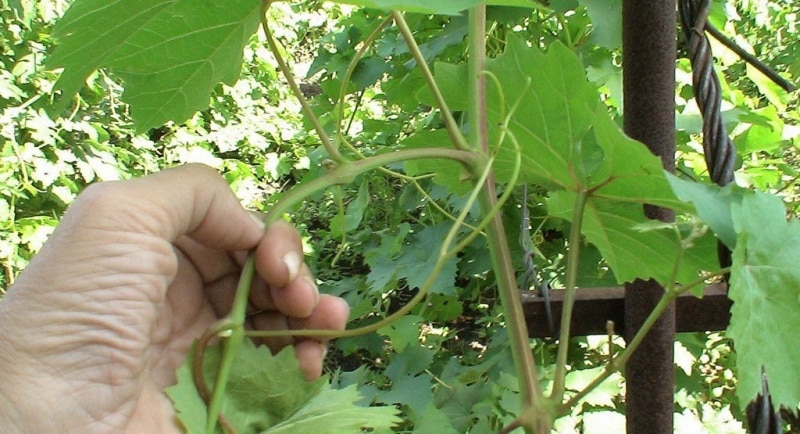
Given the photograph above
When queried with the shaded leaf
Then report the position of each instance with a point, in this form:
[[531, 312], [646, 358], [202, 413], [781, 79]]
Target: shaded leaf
[[353, 214], [613, 227], [416, 263]]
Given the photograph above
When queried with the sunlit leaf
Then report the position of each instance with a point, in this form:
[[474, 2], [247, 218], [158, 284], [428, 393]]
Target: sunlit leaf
[[336, 411], [171, 53], [263, 389], [712, 205], [765, 289]]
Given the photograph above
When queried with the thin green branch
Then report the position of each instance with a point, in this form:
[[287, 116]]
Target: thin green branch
[[421, 294], [233, 324], [345, 173], [450, 123], [533, 402], [573, 259], [618, 363], [451, 235], [333, 151], [230, 344], [349, 74], [500, 202]]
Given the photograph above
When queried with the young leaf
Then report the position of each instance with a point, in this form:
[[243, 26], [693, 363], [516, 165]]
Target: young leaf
[[263, 389], [336, 411], [354, 213], [765, 289], [170, 53], [712, 205]]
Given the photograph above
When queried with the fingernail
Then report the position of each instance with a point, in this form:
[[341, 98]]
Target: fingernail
[[324, 352], [258, 220], [316, 289], [292, 261]]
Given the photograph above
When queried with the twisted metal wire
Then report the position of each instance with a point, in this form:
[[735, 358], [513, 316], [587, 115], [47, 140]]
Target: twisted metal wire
[[718, 150], [761, 415], [720, 156], [531, 276]]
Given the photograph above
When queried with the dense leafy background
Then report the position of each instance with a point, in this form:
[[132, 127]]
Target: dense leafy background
[[445, 365]]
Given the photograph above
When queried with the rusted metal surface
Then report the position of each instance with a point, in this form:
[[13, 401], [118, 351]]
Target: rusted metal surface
[[648, 56], [595, 306]]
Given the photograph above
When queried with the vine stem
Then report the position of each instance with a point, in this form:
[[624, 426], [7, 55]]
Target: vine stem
[[573, 257], [618, 363], [333, 151], [458, 140], [444, 254], [532, 397], [231, 344]]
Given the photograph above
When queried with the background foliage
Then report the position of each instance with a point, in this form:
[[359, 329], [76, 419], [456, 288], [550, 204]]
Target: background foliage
[[444, 364]]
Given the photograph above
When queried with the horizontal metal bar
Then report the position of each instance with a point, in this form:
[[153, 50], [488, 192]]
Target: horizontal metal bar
[[595, 306]]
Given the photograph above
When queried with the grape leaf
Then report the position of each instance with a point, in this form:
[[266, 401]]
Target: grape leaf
[[557, 105], [354, 213], [447, 172], [415, 263], [712, 205], [765, 289], [170, 53], [564, 132], [336, 411], [263, 389], [606, 16], [267, 393], [613, 227]]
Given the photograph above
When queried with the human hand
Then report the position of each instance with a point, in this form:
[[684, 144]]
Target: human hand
[[94, 329]]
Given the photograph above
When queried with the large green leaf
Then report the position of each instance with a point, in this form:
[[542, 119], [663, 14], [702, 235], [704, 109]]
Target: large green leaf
[[170, 53], [564, 132], [765, 289], [568, 141], [556, 108], [632, 249], [606, 16]]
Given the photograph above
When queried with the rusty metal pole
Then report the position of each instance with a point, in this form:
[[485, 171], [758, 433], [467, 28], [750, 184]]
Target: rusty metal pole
[[648, 50]]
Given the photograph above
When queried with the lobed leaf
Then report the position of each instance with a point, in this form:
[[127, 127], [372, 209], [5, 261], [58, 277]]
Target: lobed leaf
[[336, 411], [262, 391], [269, 394], [170, 53], [765, 289]]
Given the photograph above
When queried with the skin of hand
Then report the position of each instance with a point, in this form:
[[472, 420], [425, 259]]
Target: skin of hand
[[94, 329]]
